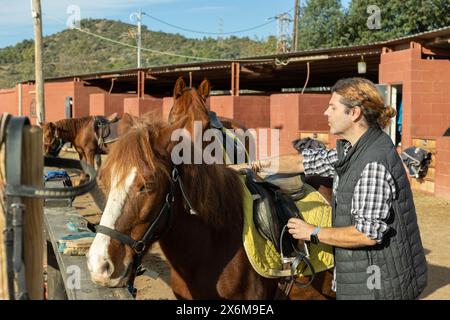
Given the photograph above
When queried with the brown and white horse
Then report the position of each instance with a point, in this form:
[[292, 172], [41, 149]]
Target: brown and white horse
[[196, 213]]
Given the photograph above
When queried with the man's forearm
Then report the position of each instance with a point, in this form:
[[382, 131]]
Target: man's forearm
[[289, 163], [344, 237]]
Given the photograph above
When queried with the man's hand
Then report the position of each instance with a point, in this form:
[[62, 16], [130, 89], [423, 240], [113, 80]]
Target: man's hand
[[300, 229]]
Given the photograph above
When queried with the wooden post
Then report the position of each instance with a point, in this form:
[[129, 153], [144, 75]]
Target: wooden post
[[33, 237], [33, 233], [235, 68], [140, 84], [38, 54]]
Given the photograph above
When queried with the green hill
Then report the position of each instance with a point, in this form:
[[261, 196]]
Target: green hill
[[73, 52]]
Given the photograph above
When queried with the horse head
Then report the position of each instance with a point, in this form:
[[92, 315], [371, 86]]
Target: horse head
[[190, 102], [137, 174], [52, 141]]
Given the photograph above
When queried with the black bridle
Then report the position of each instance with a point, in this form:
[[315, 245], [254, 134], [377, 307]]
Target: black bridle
[[164, 218], [56, 148]]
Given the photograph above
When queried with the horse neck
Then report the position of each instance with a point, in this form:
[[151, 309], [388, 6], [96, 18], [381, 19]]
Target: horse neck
[[214, 193], [204, 260], [69, 128]]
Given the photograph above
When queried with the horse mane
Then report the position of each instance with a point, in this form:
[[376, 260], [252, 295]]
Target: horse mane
[[70, 127], [216, 193], [214, 190]]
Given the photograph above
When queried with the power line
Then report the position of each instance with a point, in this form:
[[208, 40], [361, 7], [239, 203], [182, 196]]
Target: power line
[[156, 51], [271, 20]]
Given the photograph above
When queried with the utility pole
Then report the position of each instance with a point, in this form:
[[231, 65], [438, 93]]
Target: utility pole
[[283, 34], [220, 38], [137, 16], [38, 56], [295, 30]]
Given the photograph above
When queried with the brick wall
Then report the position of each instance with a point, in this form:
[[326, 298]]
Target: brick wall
[[426, 83], [312, 108], [106, 104], [426, 109], [81, 99], [9, 101], [55, 99], [222, 105], [252, 111], [442, 176], [138, 107], [285, 115]]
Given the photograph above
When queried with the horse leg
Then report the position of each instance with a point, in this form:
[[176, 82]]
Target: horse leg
[[83, 175], [92, 160]]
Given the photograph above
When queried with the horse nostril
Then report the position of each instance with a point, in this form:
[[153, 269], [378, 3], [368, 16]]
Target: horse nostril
[[107, 268]]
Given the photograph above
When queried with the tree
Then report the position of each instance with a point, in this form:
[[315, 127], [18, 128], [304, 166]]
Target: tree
[[398, 18], [320, 24]]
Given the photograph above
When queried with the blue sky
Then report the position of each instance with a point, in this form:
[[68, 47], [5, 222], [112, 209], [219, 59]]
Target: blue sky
[[204, 15]]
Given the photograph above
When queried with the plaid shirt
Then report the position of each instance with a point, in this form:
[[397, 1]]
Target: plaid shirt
[[374, 191]]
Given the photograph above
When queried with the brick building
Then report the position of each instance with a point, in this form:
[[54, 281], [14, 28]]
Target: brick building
[[288, 92]]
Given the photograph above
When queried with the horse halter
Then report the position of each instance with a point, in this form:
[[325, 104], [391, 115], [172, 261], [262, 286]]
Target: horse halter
[[56, 148], [165, 214]]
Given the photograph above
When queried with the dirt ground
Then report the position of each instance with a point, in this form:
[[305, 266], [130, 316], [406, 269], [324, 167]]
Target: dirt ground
[[434, 222]]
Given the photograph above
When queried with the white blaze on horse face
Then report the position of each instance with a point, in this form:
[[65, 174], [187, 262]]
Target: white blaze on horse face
[[98, 252]]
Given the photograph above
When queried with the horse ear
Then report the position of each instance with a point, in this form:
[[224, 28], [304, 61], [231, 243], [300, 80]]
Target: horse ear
[[204, 89], [179, 87], [163, 141]]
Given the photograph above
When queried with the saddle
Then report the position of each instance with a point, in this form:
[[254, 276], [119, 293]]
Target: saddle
[[417, 161], [106, 129], [272, 209]]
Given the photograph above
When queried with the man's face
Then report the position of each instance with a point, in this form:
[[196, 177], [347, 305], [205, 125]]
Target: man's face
[[339, 117]]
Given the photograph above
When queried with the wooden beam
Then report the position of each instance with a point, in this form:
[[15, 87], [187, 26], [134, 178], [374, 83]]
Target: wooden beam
[[436, 52], [235, 69], [33, 232]]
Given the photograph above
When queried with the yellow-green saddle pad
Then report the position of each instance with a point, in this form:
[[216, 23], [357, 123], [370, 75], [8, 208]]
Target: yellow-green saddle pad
[[262, 254]]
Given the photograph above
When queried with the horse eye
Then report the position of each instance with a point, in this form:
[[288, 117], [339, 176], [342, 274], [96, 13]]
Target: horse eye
[[147, 187]]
